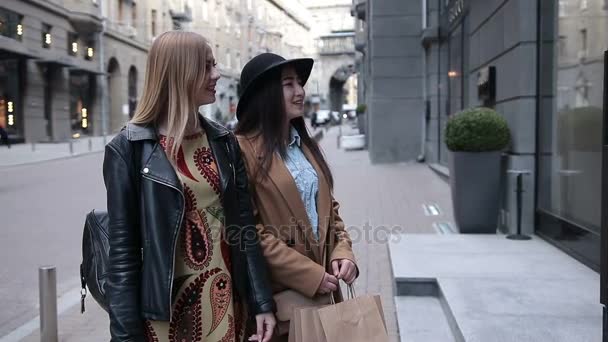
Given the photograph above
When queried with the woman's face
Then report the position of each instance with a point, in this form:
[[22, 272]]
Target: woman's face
[[206, 95], [293, 93]]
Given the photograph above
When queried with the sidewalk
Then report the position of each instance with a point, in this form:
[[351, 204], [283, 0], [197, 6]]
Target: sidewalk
[[488, 288], [20, 154], [373, 198]]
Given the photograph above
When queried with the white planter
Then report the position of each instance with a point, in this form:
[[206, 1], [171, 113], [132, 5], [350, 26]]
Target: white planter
[[353, 142]]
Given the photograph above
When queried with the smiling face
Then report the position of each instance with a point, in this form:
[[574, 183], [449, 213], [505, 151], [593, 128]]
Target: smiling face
[[206, 94], [293, 92]]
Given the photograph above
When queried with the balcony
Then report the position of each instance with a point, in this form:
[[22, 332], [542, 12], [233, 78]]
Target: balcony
[[337, 43]]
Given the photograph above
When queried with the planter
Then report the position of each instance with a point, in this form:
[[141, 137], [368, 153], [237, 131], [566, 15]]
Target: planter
[[475, 185], [353, 142]]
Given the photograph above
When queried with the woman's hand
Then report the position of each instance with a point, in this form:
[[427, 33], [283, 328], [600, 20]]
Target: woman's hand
[[328, 284], [265, 327], [344, 269]]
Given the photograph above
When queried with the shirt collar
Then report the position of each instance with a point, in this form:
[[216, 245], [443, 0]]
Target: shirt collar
[[295, 138]]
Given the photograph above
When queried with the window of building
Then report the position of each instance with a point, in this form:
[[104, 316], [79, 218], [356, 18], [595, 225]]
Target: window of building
[[569, 153], [562, 46], [11, 24], [47, 39], [249, 5], [72, 44], [134, 14], [583, 51], [205, 6], [562, 8], [90, 51], [153, 23], [238, 61], [121, 11], [228, 59]]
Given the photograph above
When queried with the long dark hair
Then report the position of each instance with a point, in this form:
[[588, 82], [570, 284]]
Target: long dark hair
[[264, 114]]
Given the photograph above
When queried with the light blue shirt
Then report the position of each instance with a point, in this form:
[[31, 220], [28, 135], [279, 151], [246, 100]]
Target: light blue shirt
[[306, 179]]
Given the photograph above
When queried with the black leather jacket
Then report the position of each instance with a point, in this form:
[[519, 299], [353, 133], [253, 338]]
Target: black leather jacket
[[146, 211]]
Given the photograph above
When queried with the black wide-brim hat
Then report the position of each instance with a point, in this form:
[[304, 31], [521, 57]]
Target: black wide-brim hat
[[254, 71]]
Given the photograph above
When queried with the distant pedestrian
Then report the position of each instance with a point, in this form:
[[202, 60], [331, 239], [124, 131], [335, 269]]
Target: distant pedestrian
[[185, 263], [292, 186], [4, 137]]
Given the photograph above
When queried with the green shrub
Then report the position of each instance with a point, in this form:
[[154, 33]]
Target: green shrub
[[477, 130], [361, 108]]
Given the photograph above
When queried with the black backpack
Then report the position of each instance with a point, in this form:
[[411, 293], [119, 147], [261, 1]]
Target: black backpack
[[95, 258], [96, 250]]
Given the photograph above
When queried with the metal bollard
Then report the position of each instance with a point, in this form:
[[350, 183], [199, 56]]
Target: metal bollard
[[71, 146], [33, 147], [90, 144], [519, 190], [47, 282]]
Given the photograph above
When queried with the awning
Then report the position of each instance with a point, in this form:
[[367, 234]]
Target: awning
[[79, 69], [10, 48], [53, 61]]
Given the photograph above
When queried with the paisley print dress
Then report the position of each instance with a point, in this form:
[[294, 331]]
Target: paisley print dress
[[204, 306]]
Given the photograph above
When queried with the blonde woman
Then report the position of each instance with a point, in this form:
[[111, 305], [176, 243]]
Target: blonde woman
[[185, 261]]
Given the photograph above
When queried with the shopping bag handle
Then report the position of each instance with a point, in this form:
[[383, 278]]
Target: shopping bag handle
[[350, 294]]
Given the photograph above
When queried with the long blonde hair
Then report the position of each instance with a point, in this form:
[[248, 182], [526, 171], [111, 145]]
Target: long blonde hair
[[175, 71]]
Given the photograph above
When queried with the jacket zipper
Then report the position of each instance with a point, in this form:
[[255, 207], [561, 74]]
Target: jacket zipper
[[230, 163], [179, 227]]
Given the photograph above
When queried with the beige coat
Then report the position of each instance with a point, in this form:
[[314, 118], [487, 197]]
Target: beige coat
[[293, 253]]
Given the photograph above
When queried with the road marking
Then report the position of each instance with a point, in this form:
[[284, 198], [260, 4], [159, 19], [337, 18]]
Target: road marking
[[64, 303], [441, 228], [431, 209]]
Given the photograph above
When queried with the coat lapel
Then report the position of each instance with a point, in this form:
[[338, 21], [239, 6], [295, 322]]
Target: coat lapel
[[286, 185]]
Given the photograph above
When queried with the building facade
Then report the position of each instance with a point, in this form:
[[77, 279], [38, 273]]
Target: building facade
[[331, 83], [74, 68], [539, 63]]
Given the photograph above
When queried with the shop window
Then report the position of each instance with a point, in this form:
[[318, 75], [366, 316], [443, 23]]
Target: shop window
[[47, 39], [11, 25]]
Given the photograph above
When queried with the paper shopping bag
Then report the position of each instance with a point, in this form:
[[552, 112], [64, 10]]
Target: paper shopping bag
[[358, 319]]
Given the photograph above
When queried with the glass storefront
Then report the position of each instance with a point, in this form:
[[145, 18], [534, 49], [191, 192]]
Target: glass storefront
[[11, 117], [574, 38], [81, 100], [454, 21]]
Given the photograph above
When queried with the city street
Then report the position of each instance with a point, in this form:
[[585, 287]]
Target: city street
[[42, 210], [61, 192]]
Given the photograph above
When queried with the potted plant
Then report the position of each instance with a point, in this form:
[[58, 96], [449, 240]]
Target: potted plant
[[361, 109], [476, 138]]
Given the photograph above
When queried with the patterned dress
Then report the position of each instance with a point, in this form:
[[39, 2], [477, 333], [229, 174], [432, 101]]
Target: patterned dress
[[204, 307]]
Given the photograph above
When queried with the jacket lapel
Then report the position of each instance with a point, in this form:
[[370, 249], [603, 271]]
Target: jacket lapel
[[323, 202], [158, 168]]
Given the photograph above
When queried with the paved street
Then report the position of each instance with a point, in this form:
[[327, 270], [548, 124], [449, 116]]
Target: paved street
[[61, 192], [42, 210]]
